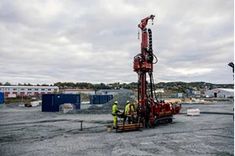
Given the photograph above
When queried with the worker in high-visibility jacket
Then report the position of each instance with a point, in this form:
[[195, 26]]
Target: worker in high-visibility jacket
[[129, 112], [132, 109], [114, 113], [129, 108]]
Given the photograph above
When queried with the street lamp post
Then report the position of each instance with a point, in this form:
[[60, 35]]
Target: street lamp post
[[232, 66]]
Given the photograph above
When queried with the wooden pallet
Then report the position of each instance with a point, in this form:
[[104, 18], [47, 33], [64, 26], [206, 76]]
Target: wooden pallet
[[128, 127]]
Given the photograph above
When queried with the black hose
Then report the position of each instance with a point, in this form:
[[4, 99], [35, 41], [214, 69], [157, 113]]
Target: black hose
[[154, 89], [156, 59], [150, 41]]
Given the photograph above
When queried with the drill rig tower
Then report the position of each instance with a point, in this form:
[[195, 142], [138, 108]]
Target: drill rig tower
[[150, 110]]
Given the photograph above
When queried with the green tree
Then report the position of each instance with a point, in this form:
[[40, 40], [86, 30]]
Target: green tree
[[7, 84]]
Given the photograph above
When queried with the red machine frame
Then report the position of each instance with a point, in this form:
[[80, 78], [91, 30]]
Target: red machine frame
[[150, 110]]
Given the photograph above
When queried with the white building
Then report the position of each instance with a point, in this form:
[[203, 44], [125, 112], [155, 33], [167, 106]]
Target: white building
[[159, 90], [220, 92], [196, 92], [79, 91], [14, 91]]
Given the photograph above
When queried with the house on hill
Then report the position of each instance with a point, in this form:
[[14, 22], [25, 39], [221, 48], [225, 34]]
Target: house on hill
[[220, 93]]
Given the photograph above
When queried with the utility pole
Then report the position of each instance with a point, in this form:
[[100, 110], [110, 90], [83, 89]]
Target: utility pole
[[232, 66]]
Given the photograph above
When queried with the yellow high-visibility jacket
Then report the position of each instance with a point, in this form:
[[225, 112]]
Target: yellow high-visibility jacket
[[127, 109], [132, 108], [114, 109]]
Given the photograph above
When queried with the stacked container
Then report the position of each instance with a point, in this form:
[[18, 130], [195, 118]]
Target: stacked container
[[52, 102], [100, 99]]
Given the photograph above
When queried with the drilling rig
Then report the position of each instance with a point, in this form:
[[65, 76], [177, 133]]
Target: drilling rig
[[150, 110]]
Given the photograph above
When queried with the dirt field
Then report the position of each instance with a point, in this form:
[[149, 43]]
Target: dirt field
[[28, 131]]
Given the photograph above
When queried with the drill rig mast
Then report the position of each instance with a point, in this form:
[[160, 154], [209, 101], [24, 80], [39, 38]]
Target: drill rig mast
[[150, 110]]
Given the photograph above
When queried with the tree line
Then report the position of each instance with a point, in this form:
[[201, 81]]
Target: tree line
[[171, 86]]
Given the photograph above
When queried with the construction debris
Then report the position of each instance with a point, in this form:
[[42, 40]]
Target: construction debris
[[67, 108], [193, 112]]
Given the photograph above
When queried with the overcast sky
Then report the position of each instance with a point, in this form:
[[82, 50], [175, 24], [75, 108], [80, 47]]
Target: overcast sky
[[46, 41]]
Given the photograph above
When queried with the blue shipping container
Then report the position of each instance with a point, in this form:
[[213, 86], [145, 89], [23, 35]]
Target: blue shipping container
[[52, 102], [1, 98], [100, 99]]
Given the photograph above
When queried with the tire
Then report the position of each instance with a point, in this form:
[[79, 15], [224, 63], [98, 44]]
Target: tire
[[170, 120]]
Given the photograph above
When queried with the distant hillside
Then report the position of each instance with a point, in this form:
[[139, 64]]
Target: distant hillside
[[182, 86], [172, 86]]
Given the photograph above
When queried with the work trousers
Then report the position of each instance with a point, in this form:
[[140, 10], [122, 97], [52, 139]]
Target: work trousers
[[128, 119], [114, 120]]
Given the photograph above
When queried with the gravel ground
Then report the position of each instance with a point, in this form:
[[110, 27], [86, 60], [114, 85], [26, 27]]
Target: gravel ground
[[28, 131]]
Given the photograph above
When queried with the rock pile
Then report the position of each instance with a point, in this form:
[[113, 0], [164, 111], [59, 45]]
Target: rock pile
[[107, 107]]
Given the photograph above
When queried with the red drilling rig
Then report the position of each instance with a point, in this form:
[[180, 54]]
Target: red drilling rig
[[150, 110]]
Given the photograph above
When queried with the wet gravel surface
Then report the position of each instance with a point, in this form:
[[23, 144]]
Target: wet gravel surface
[[28, 131]]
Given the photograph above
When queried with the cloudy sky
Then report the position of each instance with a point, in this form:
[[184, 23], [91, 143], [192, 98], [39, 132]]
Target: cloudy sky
[[46, 41]]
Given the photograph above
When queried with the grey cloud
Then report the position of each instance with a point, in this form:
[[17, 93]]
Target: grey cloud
[[95, 41]]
